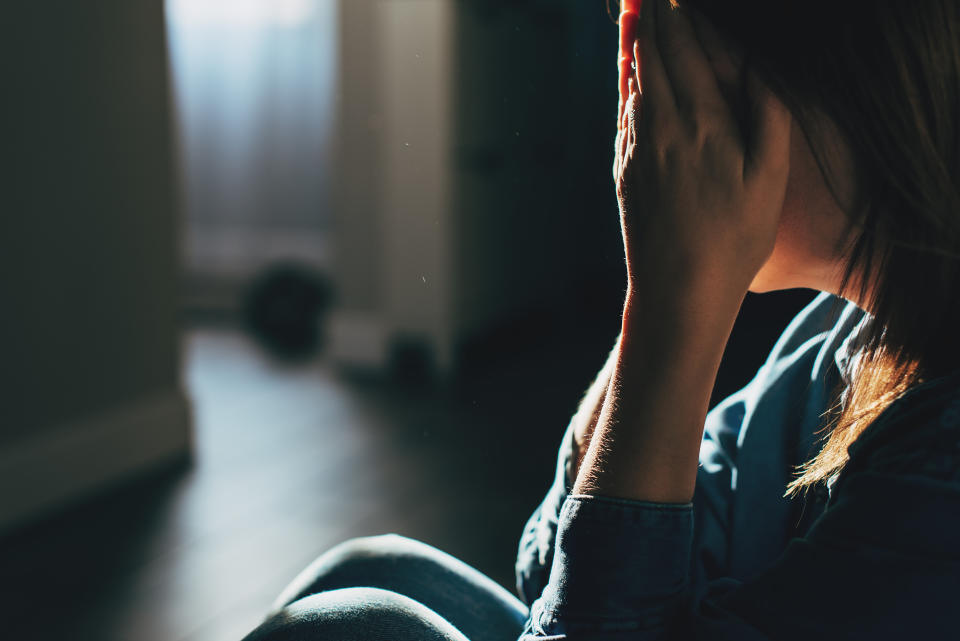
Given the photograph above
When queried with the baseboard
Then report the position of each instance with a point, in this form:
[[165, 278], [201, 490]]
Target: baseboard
[[59, 466]]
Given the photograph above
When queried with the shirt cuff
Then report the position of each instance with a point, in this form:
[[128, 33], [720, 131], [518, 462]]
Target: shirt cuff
[[618, 565]]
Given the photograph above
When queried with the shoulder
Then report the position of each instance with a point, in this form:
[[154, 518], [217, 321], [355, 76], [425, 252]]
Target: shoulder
[[793, 387], [917, 436], [817, 318], [798, 379], [897, 500], [813, 340]]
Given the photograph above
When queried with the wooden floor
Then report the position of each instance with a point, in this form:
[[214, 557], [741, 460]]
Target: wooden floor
[[292, 459]]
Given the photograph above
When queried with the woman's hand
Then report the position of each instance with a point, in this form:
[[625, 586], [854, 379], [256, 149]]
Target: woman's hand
[[699, 197], [700, 202]]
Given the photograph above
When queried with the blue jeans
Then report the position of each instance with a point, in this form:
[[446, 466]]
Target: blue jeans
[[392, 588]]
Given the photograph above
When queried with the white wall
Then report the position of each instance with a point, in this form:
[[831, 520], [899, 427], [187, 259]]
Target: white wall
[[393, 179], [416, 60]]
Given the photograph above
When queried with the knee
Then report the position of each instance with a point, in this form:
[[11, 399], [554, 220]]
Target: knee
[[346, 614], [358, 561], [368, 551], [366, 547]]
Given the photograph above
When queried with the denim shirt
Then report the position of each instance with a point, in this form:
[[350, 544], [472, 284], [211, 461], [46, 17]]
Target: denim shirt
[[876, 556]]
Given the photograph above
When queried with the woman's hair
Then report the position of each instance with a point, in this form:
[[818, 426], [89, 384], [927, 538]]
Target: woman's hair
[[886, 74]]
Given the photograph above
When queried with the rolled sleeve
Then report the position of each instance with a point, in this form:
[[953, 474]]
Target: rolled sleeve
[[619, 566]]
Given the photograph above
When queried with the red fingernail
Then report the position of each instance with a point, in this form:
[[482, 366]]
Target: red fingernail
[[628, 31]]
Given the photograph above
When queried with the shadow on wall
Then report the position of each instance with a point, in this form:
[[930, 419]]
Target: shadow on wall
[[91, 360]]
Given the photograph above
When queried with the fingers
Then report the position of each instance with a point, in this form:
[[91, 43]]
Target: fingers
[[633, 115], [618, 153], [691, 76], [628, 33], [768, 147], [618, 159], [627, 134]]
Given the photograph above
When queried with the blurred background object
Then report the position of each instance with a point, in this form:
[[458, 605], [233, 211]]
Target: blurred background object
[[284, 310], [277, 273]]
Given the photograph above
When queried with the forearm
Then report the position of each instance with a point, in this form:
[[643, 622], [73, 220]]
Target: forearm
[[646, 443], [615, 563], [588, 413]]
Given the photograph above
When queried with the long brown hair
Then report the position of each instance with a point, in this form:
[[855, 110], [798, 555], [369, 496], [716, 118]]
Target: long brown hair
[[886, 73]]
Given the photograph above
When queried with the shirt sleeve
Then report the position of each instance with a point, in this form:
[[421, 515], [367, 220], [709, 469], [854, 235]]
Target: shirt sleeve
[[726, 457], [711, 503], [881, 562]]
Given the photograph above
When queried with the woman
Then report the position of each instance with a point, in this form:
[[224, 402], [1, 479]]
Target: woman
[[760, 146]]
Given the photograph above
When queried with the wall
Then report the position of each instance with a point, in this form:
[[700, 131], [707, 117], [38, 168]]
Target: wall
[[416, 51], [537, 229], [473, 181], [392, 180], [90, 363]]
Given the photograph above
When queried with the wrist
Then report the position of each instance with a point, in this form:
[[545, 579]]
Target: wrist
[[674, 316]]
